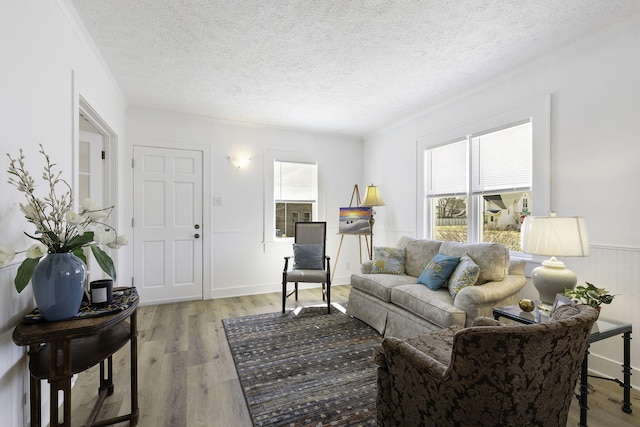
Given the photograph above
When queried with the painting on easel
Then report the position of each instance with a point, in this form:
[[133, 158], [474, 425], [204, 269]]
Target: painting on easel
[[355, 220]]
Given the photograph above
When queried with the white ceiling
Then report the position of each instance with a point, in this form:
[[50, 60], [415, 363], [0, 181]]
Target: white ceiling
[[337, 66]]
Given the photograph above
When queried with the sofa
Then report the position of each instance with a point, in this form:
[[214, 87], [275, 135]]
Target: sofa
[[387, 295]]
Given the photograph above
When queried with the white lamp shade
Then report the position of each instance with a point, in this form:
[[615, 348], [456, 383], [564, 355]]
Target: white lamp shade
[[372, 197], [555, 236]]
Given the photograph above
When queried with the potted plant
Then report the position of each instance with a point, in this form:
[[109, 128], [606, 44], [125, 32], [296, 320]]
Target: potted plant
[[55, 264], [590, 295]]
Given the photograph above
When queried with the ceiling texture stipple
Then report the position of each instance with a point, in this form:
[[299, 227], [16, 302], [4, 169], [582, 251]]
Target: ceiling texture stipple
[[338, 66]]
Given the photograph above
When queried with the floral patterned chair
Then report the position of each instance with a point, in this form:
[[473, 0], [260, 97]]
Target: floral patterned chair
[[484, 375]]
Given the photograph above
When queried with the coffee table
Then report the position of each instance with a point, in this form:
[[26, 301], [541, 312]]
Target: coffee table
[[602, 329]]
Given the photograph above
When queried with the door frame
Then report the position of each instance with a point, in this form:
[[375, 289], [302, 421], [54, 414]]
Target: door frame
[[82, 109], [207, 222]]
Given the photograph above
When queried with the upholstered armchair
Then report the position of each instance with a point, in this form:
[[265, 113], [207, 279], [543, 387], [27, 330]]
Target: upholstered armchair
[[520, 375]]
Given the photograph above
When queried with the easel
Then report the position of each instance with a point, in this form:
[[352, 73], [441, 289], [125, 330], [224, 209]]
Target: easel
[[355, 193]]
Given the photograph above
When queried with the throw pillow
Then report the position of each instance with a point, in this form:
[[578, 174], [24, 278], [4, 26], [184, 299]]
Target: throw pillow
[[465, 274], [388, 260], [307, 256], [437, 272]]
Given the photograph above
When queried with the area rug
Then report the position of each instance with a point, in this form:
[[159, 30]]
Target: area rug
[[305, 369]]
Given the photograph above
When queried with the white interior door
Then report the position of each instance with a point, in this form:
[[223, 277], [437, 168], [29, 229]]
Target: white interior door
[[91, 179], [167, 224]]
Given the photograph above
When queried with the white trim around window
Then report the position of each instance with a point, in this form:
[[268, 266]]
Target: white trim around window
[[271, 155], [539, 114]]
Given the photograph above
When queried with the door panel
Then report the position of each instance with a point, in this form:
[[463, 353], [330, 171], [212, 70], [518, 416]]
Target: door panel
[[167, 210]]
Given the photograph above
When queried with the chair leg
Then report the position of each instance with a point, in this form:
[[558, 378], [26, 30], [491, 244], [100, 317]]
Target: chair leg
[[328, 297], [284, 295], [296, 291]]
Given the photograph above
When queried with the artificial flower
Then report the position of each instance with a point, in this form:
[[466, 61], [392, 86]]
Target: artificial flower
[[58, 228], [36, 251], [74, 218], [6, 256], [119, 241]]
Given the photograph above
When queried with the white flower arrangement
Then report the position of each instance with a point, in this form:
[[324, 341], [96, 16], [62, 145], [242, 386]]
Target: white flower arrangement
[[59, 229]]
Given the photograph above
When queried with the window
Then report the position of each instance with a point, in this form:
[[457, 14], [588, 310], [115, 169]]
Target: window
[[479, 188], [295, 193]]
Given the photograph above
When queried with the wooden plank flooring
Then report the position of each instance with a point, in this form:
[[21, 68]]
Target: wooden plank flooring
[[187, 377]]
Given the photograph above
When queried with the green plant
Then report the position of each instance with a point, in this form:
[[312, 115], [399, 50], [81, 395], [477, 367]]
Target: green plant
[[590, 295], [58, 229]]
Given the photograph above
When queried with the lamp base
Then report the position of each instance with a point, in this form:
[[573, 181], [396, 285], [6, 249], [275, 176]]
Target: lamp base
[[552, 278]]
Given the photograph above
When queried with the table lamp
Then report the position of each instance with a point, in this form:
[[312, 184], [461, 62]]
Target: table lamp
[[553, 236], [372, 197]]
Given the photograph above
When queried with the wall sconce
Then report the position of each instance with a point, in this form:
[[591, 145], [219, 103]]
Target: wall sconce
[[240, 161]]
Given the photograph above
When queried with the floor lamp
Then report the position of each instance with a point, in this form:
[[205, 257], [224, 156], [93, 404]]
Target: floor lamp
[[372, 198], [553, 236]]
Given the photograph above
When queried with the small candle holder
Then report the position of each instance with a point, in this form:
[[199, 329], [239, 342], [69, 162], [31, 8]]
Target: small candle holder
[[101, 291]]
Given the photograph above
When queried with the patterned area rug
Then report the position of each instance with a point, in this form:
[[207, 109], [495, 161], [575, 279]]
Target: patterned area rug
[[305, 369]]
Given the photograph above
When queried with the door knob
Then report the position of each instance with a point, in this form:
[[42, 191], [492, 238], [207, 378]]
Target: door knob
[[197, 226], [197, 236]]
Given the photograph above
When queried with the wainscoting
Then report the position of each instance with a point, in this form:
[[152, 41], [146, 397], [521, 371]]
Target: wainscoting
[[618, 270]]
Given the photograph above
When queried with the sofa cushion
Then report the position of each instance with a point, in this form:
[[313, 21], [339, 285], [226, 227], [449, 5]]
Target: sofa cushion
[[438, 271], [435, 306], [418, 254], [388, 260], [380, 285], [465, 274], [492, 258]]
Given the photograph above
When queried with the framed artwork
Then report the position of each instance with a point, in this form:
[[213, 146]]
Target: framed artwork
[[355, 220]]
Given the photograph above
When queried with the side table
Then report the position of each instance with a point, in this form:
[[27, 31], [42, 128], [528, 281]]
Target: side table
[[58, 350], [602, 329]]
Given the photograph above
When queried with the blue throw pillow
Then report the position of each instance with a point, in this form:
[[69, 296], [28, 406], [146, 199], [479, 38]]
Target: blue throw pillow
[[307, 256], [437, 272]]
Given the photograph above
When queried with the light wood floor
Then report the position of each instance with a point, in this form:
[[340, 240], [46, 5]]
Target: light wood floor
[[187, 377]]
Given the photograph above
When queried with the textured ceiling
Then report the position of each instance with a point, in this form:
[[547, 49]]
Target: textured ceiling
[[339, 66]]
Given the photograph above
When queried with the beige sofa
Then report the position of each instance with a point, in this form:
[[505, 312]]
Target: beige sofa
[[396, 305]]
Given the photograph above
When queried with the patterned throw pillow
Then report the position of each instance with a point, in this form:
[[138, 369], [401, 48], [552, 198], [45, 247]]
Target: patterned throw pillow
[[437, 272], [307, 256], [388, 260], [465, 274]]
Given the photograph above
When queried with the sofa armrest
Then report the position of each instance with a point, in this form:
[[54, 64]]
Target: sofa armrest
[[517, 266], [480, 300], [365, 267], [485, 321]]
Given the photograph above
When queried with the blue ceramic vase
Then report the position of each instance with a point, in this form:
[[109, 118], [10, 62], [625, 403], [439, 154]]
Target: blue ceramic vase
[[58, 285]]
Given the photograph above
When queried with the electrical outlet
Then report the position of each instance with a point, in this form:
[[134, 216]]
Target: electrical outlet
[[348, 266], [217, 201]]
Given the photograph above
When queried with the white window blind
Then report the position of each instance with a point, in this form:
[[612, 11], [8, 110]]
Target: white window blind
[[295, 182], [446, 168], [502, 159]]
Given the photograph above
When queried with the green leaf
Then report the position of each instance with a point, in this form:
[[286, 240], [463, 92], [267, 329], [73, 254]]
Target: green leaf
[[53, 236], [80, 254], [25, 272], [104, 261], [79, 241]]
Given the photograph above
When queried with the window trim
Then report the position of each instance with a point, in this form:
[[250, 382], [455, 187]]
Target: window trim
[[268, 230], [539, 113]]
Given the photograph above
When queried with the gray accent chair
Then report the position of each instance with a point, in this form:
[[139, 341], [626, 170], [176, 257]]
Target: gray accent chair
[[517, 375], [315, 268]]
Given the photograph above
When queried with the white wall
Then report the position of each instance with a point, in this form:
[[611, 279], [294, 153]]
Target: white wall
[[46, 64], [595, 123], [240, 263]]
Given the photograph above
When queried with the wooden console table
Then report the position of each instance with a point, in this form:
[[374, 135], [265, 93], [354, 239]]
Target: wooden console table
[[57, 350]]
